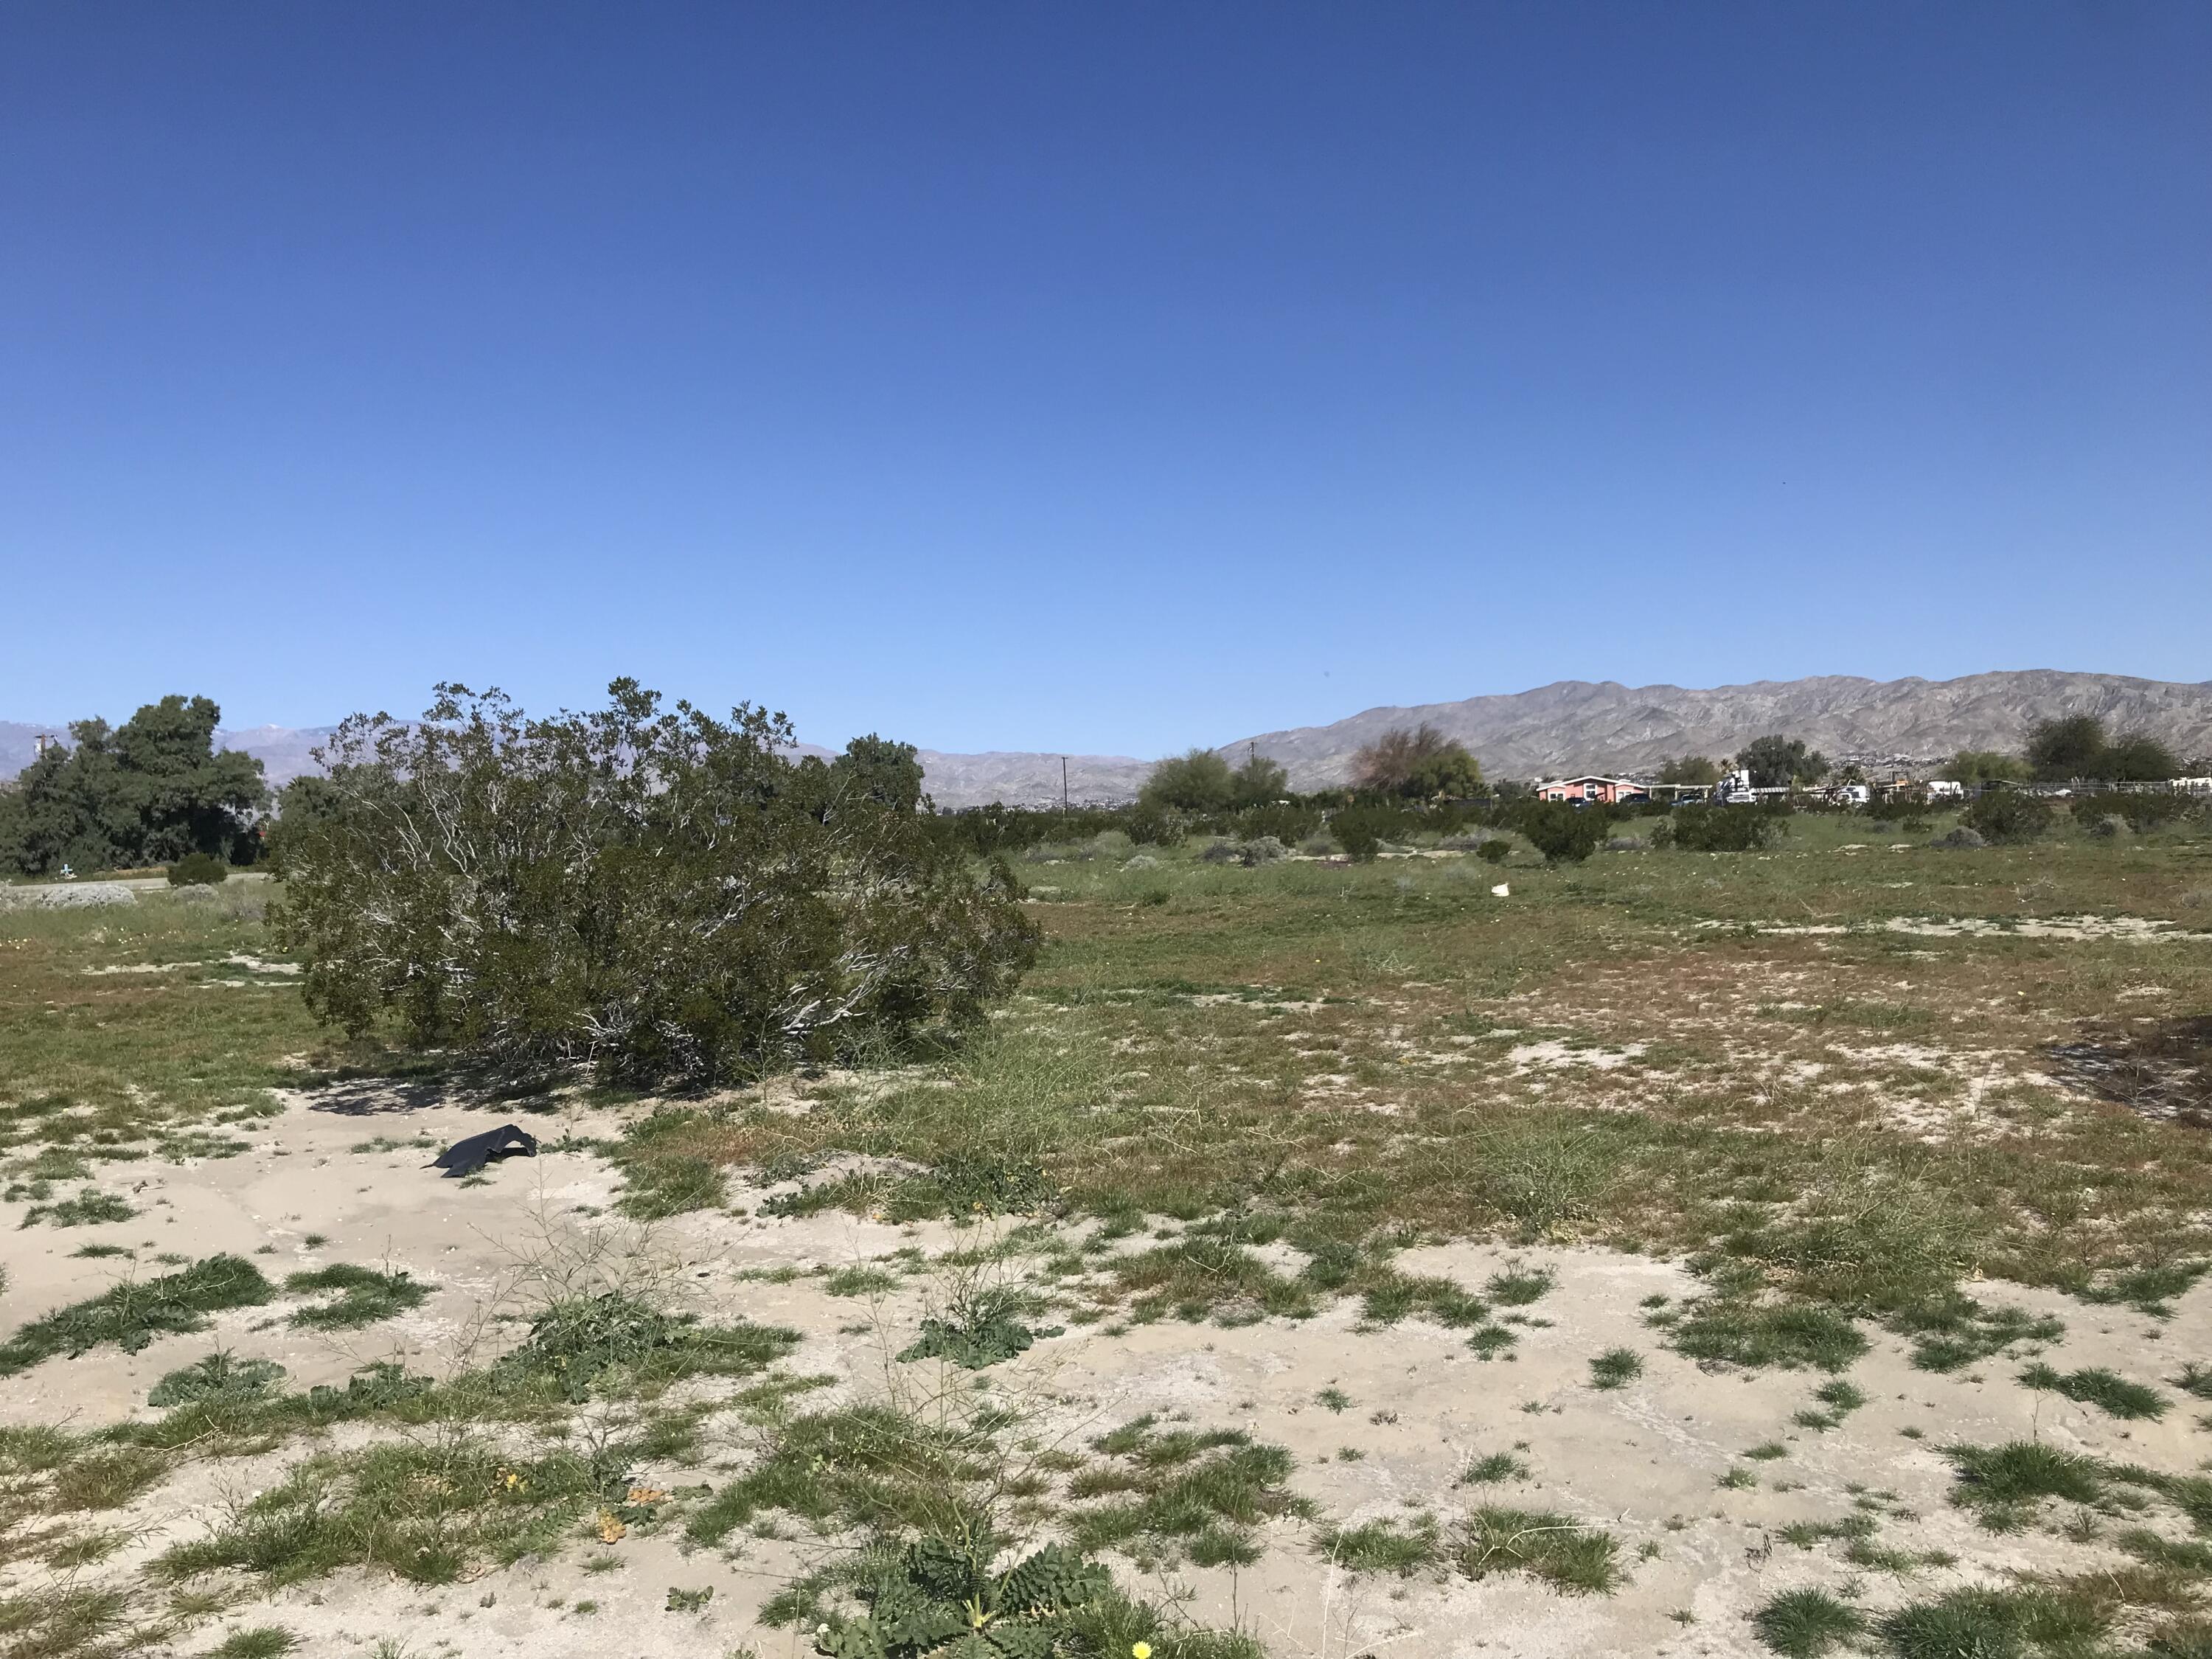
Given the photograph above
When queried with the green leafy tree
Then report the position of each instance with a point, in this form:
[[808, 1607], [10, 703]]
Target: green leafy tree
[[2070, 746], [1979, 766], [149, 792], [1419, 762], [657, 893], [2138, 757], [1259, 782], [1777, 762], [1562, 831], [2007, 817], [1689, 768], [1197, 781]]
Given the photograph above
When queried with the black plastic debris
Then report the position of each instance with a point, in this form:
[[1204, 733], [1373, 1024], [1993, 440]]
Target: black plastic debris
[[466, 1156]]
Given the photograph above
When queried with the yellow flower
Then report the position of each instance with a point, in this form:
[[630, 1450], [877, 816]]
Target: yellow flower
[[1140, 1651]]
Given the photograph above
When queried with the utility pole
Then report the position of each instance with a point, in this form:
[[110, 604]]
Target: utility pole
[[1063, 783]]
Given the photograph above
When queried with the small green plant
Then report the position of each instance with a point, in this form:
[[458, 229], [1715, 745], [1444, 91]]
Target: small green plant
[[938, 1595], [581, 1348], [1806, 1623], [2195, 1380], [1517, 1287], [198, 870], [1333, 1399], [1758, 1334], [365, 1297], [982, 1325], [1998, 1622], [2006, 816], [1616, 1368], [695, 1601]]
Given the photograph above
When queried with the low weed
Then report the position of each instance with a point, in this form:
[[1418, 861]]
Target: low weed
[[1181, 1493], [614, 1342], [1382, 1547], [1760, 1334], [1805, 1624], [1955, 1331], [1616, 1368]]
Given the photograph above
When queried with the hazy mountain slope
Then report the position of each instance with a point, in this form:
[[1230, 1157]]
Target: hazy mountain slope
[[1575, 726]]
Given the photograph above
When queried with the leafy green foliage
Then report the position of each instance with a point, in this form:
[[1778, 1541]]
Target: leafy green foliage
[[984, 1328], [2006, 816], [609, 1343], [1689, 768], [662, 894], [132, 1314], [366, 1296], [219, 1377], [149, 792], [198, 870], [1775, 762], [1198, 781], [1562, 831], [1419, 762], [938, 1596], [1697, 827], [1979, 766]]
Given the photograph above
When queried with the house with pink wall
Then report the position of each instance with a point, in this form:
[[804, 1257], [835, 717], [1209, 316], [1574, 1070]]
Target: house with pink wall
[[1605, 792]]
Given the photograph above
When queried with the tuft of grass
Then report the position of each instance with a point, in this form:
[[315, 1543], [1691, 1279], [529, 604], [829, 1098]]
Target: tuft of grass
[[130, 1315], [1176, 1492], [1616, 1368], [2107, 1390], [2005, 1483], [1379, 1546], [366, 1296], [1956, 1331], [1497, 1465], [1805, 1624], [2195, 1380], [262, 1642], [588, 1346], [1517, 1287], [1556, 1549], [859, 1281]]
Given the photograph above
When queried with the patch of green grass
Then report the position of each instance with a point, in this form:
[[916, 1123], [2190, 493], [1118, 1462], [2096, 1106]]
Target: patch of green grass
[[1517, 1287], [1758, 1334], [1380, 1547], [262, 1641], [1767, 1451], [859, 1281], [1994, 1624], [981, 1327], [1394, 1297], [365, 1296], [2195, 1380], [2004, 1483], [2108, 1391], [1185, 1492], [130, 1315], [1805, 1624], [1840, 1397], [1616, 1368], [1556, 1549]]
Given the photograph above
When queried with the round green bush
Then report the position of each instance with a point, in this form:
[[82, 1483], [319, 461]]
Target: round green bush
[[198, 870]]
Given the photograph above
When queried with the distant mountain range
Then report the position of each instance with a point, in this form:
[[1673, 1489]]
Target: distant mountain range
[[1570, 727]]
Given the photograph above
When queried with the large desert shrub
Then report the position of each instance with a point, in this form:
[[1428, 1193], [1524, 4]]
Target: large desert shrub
[[1199, 781], [198, 870], [2006, 815], [1695, 828], [662, 894], [1562, 831], [1419, 762]]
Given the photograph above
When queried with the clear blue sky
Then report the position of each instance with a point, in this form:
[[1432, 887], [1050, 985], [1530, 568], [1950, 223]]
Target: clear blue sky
[[1090, 376]]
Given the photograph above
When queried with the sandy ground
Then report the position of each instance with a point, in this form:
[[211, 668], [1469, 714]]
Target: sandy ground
[[1643, 1461]]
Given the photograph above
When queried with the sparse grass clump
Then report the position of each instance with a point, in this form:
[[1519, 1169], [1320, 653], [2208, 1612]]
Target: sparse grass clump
[[613, 1343], [220, 1376], [1180, 1492], [1382, 1547]]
